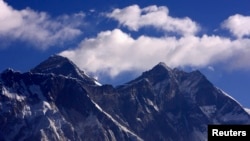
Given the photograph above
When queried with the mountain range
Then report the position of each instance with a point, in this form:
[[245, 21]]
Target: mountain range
[[56, 101]]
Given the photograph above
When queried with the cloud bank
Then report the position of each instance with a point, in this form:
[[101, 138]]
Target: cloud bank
[[38, 28], [115, 51], [135, 18]]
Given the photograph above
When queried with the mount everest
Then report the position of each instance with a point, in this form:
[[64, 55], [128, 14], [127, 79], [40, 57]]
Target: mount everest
[[57, 101]]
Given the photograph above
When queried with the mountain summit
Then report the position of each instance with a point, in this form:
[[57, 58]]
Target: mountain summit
[[57, 101], [60, 65]]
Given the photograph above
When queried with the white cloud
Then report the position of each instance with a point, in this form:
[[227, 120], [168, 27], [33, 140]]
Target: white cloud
[[135, 18], [114, 52], [37, 28], [238, 25], [211, 68]]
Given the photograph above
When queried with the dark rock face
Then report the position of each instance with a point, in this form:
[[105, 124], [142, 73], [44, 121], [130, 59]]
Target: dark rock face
[[57, 101], [59, 65]]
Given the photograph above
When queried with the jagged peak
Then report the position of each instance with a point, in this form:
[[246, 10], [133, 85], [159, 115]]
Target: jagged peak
[[161, 72], [10, 71], [158, 73], [60, 65], [162, 64], [159, 69], [54, 61]]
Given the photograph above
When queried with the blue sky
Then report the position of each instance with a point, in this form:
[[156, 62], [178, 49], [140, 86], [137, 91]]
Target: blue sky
[[116, 40]]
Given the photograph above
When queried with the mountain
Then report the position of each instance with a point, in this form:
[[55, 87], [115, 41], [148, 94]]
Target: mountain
[[59, 65], [57, 101]]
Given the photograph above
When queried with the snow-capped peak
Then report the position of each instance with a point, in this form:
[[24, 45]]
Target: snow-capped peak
[[60, 65], [69, 105]]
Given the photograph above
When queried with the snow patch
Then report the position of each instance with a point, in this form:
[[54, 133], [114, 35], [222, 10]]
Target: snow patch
[[112, 135], [26, 111], [46, 106], [82, 73], [97, 83], [138, 119], [13, 96], [44, 136], [54, 128], [226, 94], [148, 111], [208, 110], [116, 122], [247, 110], [149, 102]]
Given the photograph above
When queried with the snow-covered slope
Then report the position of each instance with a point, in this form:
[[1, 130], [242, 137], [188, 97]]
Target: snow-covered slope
[[37, 106], [58, 101], [166, 104], [247, 110]]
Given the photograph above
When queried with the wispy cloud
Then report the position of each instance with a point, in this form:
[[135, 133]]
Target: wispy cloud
[[38, 28], [135, 18]]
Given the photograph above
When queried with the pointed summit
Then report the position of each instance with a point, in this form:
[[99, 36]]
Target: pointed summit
[[162, 64], [157, 74], [53, 63], [161, 68], [60, 65]]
